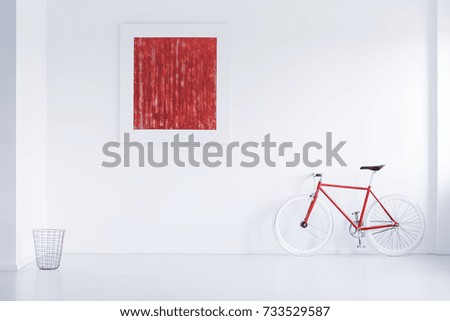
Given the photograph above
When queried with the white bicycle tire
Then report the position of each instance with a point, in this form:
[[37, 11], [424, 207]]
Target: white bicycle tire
[[298, 240]]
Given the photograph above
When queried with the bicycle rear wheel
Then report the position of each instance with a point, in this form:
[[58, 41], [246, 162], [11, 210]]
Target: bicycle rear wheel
[[296, 239], [395, 241]]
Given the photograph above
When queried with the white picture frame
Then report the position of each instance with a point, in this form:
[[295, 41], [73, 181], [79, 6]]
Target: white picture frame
[[127, 34]]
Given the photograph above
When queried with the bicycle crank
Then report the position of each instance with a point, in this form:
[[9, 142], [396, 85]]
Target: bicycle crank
[[355, 232]]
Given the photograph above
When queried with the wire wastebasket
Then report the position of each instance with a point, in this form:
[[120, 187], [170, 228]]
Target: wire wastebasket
[[48, 244]]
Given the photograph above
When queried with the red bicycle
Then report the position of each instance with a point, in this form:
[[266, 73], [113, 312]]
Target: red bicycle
[[393, 224]]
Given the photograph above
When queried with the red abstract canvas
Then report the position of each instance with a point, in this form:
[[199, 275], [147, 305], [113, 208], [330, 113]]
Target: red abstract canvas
[[175, 83]]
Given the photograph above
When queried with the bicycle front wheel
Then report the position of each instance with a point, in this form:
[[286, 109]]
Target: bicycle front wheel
[[399, 240], [296, 239]]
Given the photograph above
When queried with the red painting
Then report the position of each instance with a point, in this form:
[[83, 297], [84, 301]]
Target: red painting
[[175, 83]]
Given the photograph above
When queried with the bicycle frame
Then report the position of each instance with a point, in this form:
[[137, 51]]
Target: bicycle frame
[[360, 226]]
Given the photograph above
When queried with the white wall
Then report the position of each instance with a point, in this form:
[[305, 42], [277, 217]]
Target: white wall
[[443, 128], [31, 112], [23, 128], [361, 69], [7, 134]]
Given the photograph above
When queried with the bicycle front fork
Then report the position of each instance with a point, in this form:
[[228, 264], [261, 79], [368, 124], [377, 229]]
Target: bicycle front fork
[[304, 223], [314, 196]]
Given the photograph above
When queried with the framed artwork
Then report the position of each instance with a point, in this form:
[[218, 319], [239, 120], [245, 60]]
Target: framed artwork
[[175, 79]]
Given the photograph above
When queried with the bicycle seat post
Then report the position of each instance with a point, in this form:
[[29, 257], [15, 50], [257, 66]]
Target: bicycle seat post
[[371, 178]]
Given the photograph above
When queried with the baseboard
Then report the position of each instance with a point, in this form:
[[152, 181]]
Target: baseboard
[[20, 264], [341, 251], [8, 267], [24, 262], [443, 252]]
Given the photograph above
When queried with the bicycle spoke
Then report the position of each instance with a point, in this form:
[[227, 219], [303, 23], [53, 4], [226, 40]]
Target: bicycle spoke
[[393, 212], [312, 234], [324, 232], [379, 213], [414, 219], [388, 238], [411, 233], [409, 239], [411, 227], [406, 214], [383, 237], [400, 240]]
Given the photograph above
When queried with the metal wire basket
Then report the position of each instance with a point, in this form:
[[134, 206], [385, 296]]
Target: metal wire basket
[[48, 244]]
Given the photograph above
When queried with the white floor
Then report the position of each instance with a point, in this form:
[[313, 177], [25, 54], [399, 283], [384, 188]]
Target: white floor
[[232, 277]]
